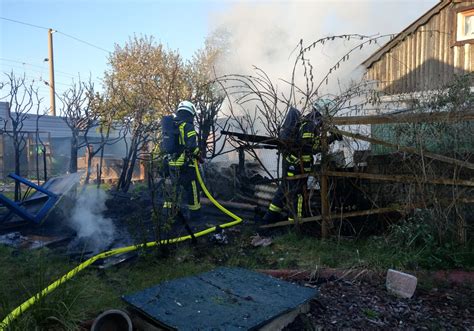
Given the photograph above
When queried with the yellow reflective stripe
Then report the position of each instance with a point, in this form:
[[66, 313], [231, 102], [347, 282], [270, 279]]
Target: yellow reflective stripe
[[291, 158], [308, 135], [167, 204], [274, 208], [307, 169], [291, 219], [196, 151], [290, 174], [196, 205], [191, 133], [181, 133], [316, 143], [178, 162], [306, 158], [299, 209]]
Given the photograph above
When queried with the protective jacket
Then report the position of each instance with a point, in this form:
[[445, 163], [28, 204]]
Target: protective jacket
[[184, 201], [297, 160]]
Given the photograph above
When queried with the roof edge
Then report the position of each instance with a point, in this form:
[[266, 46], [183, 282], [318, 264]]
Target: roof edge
[[406, 32]]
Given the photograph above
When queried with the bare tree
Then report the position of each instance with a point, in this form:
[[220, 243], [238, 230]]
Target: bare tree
[[79, 116], [106, 126], [22, 98]]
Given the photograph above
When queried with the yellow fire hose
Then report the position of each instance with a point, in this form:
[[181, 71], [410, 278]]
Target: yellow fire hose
[[31, 301]]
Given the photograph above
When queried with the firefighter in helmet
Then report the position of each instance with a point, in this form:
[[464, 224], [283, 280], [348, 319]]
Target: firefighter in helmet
[[298, 160], [181, 166]]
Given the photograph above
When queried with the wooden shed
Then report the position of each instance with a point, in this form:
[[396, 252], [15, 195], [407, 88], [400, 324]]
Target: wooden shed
[[428, 53]]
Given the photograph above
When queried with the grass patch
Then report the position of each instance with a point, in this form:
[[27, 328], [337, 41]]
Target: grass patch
[[24, 273]]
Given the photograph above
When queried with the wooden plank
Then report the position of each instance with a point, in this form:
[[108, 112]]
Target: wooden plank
[[445, 50], [406, 69], [408, 41], [415, 76], [404, 118], [435, 42], [402, 178], [415, 56], [451, 24], [407, 149], [400, 209]]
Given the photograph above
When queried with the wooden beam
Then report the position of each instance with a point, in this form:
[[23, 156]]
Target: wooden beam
[[400, 209], [401, 178], [407, 149], [325, 208], [404, 118]]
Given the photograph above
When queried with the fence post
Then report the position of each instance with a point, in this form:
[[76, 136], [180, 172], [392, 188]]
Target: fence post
[[325, 212]]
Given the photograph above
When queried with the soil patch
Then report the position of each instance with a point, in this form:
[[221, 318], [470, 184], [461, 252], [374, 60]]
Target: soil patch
[[366, 304]]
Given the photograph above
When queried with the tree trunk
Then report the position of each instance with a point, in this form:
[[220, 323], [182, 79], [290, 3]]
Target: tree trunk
[[73, 161], [99, 168], [45, 169], [127, 164], [131, 167], [89, 157], [17, 171]]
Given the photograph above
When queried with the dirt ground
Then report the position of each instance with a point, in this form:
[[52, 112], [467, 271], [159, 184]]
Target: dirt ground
[[367, 305]]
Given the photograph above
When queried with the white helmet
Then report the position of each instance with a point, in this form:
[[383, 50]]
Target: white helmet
[[188, 106], [323, 105]]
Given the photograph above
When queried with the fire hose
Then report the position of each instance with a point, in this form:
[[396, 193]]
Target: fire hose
[[14, 314]]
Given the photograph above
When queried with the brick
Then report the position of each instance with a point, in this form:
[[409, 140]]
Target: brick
[[401, 284]]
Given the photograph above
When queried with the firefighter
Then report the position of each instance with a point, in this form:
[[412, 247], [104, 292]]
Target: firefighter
[[298, 160], [184, 199]]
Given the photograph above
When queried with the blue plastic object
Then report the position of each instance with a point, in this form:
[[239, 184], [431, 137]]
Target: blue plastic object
[[19, 209]]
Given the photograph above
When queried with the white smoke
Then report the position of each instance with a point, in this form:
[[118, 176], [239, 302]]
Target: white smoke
[[265, 33], [96, 231]]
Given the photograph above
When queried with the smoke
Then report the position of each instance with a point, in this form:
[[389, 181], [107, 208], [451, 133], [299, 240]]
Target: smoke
[[87, 220], [265, 35]]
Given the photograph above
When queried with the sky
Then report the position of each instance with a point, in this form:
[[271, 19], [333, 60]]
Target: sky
[[264, 32]]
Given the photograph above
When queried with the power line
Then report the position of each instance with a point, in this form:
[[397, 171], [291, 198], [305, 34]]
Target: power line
[[24, 23], [38, 66], [65, 34], [83, 41], [16, 68], [39, 78]]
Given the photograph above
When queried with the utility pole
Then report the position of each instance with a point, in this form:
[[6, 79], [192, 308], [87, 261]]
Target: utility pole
[[52, 91]]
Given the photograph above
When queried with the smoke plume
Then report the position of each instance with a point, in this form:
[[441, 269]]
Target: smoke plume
[[265, 34], [92, 229]]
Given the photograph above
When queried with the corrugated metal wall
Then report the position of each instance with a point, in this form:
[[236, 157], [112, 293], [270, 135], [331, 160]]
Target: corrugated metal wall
[[56, 135], [427, 58]]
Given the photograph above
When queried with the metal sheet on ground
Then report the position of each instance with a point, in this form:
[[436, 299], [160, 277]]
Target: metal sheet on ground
[[222, 299]]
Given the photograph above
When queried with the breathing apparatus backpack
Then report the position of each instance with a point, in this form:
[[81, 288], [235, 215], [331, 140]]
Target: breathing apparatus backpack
[[289, 129], [169, 135]]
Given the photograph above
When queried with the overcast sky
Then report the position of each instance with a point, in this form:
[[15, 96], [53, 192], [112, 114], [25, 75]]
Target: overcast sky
[[264, 32]]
